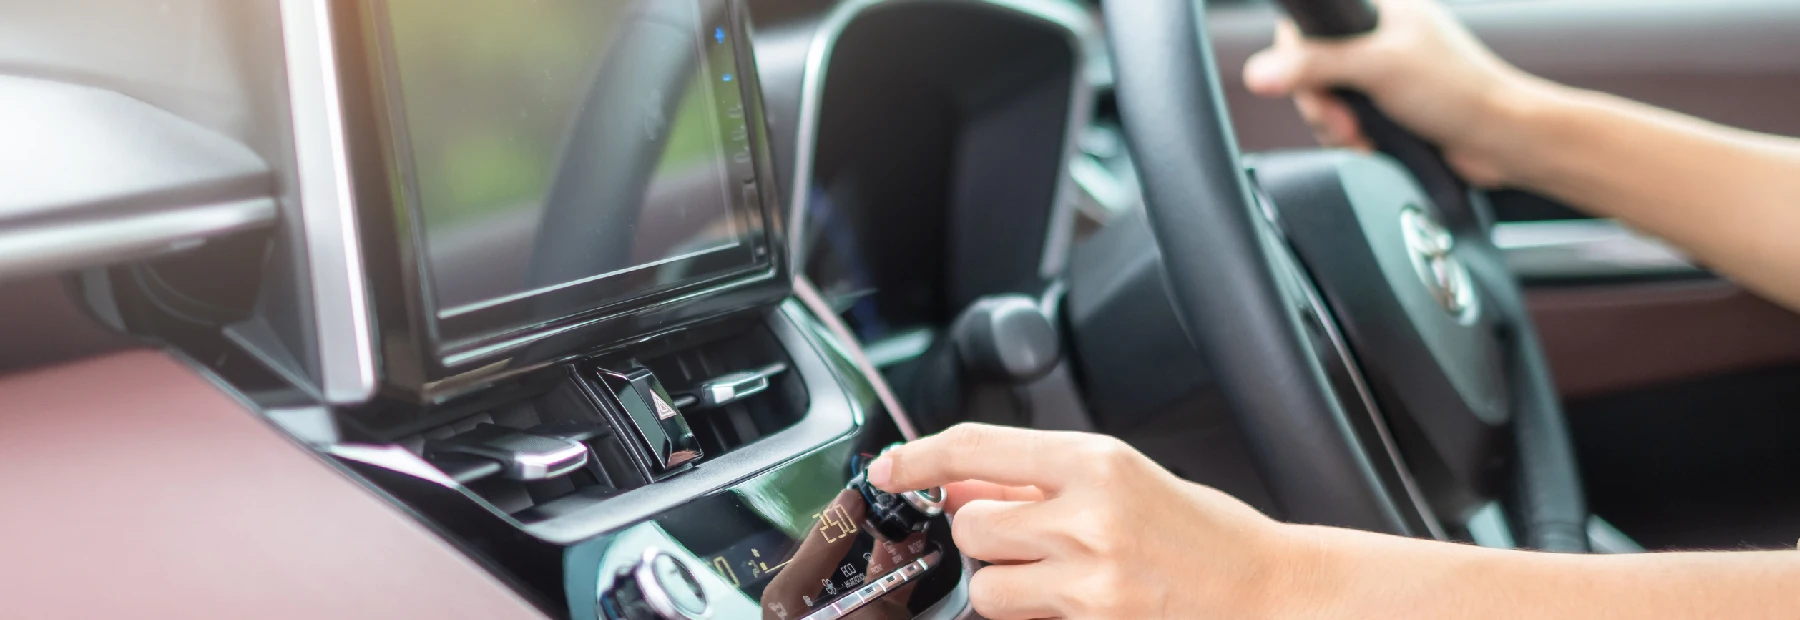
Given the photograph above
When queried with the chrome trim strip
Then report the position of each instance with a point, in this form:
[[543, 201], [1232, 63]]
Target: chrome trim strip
[[1604, 538], [1084, 39], [852, 349], [1488, 528], [1277, 240], [900, 347], [1586, 249], [327, 205], [79, 244], [1341, 349]]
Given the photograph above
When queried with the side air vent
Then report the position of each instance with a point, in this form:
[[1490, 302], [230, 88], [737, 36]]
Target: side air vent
[[533, 452]]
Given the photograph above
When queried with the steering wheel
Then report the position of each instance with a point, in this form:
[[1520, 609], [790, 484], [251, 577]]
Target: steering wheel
[[1378, 356]]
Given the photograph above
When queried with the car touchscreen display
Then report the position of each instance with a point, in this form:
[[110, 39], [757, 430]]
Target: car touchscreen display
[[561, 156]]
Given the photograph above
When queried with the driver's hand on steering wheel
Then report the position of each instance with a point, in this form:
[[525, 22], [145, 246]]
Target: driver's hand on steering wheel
[[1421, 67], [1083, 526]]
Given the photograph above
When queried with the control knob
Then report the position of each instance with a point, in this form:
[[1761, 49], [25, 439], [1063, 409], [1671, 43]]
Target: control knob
[[658, 587], [895, 516]]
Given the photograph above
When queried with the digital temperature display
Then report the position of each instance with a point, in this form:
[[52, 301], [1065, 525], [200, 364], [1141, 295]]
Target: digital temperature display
[[793, 578]]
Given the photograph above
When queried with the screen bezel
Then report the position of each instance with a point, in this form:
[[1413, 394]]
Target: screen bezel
[[500, 320], [424, 358]]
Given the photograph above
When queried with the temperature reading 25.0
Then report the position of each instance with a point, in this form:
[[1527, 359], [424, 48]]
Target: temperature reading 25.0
[[835, 523]]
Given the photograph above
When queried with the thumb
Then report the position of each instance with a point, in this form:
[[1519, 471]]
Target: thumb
[[1272, 72]]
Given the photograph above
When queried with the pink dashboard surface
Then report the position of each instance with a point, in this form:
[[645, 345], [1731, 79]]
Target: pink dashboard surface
[[134, 488]]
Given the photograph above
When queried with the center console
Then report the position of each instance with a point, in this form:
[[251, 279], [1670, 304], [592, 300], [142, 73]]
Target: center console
[[597, 375]]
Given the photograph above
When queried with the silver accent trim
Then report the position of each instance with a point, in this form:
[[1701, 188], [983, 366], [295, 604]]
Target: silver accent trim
[[547, 465], [1604, 538], [1586, 248], [1432, 251], [313, 425], [876, 589], [656, 595], [327, 205], [71, 245], [1085, 43], [901, 347], [929, 502], [1488, 528], [1363, 393], [1277, 238], [733, 387]]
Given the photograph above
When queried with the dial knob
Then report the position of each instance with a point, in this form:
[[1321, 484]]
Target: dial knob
[[658, 587], [895, 516]]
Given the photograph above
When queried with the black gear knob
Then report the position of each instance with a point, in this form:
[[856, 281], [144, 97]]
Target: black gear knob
[[1006, 338]]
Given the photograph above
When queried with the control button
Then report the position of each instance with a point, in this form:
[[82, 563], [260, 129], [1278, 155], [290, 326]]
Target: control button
[[658, 587], [828, 613], [876, 589], [651, 413], [521, 455], [850, 602]]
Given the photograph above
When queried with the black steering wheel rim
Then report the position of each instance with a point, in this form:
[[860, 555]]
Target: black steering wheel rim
[[1227, 276]]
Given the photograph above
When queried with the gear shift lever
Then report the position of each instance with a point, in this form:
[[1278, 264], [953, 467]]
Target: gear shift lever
[[998, 341]]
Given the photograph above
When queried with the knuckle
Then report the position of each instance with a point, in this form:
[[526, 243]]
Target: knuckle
[[1095, 530], [1109, 459], [968, 528], [1100, 594], [989, 595]]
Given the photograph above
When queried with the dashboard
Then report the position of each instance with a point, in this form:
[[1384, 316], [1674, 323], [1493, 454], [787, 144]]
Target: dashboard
[[581, 286]]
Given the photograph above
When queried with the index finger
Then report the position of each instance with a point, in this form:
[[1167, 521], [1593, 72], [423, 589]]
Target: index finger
[[998, 454]]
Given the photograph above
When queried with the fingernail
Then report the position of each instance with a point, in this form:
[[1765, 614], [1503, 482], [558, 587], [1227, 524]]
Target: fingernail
[[881, 472]]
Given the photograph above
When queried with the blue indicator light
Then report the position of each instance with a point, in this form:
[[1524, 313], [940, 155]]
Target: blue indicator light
[[728, 77], [719, 35]]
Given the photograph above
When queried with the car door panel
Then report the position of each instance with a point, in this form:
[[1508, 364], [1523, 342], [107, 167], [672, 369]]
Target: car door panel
[[137, 488]]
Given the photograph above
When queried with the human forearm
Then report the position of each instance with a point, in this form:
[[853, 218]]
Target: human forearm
[[1351, 574], [1730, 198]]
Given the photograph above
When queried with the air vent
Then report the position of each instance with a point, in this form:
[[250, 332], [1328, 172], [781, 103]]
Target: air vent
[[732, 391], [529, 454], [566, 447]]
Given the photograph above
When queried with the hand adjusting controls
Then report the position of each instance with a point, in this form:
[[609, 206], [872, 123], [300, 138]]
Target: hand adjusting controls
[[658, 587], [895, 516]]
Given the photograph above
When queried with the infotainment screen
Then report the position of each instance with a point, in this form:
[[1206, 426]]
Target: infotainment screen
[[564, 156]]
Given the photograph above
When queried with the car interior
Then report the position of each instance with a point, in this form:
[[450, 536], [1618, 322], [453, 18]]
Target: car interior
[[600, 308]]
